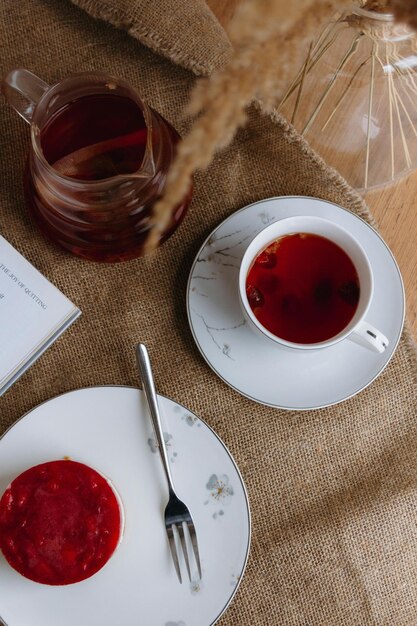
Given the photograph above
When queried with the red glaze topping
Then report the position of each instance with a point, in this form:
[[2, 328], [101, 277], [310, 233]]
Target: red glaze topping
[[60, 522]]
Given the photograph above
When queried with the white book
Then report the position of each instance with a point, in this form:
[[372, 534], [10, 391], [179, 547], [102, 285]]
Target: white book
[[33, 314]]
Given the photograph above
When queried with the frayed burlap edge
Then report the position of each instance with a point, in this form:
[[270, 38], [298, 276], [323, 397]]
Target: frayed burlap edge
[[104, 11]]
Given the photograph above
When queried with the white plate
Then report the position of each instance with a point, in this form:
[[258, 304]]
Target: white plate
[[247, 361], [109, 429]]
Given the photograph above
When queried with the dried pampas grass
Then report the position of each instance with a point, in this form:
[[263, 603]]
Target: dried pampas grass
[[261, 30]]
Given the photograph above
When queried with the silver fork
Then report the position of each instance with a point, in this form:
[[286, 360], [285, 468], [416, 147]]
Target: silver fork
[[178, 520]]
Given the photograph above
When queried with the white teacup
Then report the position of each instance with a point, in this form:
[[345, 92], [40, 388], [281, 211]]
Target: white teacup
[[358, 330]]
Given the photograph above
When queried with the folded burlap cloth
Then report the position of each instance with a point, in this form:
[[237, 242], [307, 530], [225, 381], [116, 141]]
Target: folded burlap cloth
[[333, 492]]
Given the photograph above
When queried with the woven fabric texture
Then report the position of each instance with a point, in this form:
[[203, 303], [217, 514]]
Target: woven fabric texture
[[333, 492]]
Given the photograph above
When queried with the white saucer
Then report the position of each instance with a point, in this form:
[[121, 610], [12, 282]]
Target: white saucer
[[246, 361], [109, 429]]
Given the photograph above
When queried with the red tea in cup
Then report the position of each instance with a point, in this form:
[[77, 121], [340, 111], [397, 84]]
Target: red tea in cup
[[303, 288]]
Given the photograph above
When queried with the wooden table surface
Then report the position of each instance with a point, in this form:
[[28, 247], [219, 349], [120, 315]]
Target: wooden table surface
[[394, 208]]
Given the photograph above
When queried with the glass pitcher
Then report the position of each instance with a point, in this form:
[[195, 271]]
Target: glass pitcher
[[97, 162]]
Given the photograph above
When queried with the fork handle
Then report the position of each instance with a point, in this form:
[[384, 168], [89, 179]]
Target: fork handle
[[145, 369]]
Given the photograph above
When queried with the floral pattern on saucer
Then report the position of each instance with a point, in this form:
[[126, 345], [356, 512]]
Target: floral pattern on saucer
[[196, 586], [188, 418], [191, 420], [153, 444], [220, 492], [246, 360], [221, 253], [234, 580]]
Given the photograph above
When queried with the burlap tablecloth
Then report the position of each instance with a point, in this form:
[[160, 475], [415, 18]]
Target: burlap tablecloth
[[333, 492]]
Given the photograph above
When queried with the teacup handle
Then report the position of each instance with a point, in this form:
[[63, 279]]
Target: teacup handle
[[23, 90], [367, 335]]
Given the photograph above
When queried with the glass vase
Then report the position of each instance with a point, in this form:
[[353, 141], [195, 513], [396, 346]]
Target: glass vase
[[355, 97]]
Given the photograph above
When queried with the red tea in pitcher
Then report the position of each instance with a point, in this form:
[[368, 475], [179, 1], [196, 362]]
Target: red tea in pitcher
[[98, 162], [303, 288], [96, 137]]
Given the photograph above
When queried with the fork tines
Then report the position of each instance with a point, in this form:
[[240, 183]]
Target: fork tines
[[183, 533]]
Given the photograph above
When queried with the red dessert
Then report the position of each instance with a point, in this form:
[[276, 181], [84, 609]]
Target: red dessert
[[60, 522], [303, 288]]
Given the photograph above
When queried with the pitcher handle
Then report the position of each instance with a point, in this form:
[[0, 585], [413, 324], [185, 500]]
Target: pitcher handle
[[23, 90]]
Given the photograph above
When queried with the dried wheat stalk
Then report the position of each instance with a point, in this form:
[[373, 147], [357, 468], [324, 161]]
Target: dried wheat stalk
[[262, 30]]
